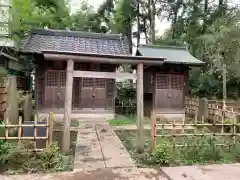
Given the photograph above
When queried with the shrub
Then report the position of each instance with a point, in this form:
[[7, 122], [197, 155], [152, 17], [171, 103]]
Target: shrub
[[20, 158], [201, 150], [50, 158], [163, 153], [229, 128], [4, 151]]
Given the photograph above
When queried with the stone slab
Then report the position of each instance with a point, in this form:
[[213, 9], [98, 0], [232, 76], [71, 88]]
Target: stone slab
[[209, 172], [88, 152], [114, 152]]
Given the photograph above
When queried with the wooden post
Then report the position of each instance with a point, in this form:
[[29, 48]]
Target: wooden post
[[68, 107], [154, 129], [50, 121], [140, 115], [35, 132], [20, 128]]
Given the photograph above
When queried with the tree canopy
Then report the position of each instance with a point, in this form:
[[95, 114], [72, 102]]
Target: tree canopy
[[210, 30]]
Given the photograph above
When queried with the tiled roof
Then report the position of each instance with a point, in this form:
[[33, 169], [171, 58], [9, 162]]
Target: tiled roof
[[175, 55], [41, 40]]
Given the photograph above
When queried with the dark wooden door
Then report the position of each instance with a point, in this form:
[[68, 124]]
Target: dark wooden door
[[99, 93], [61, 89], [51, 88], [162, 91], [77, 86], [177, 96], [55, 89], [93, 93], [87, 93], [169, 91]]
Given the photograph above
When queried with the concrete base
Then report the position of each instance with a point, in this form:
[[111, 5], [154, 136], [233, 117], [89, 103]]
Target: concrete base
[[97, 116]]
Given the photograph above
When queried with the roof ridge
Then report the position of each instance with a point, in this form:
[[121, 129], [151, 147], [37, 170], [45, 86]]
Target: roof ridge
[[58, 32], [160, 46]]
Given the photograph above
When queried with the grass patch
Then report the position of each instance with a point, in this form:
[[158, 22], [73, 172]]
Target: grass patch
[[121, 120], [201, 150]]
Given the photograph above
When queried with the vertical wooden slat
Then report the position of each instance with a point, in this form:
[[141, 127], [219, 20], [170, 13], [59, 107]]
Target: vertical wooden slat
[[222, 116], [20, 128], [202, 119], [6, 128], [234, 131], [47, 131], [68, 107], [51, 120], [154, 131], [140, 115], [35, 132]]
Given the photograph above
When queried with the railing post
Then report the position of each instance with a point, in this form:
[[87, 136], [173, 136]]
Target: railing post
[[153, 133], [50, 131]]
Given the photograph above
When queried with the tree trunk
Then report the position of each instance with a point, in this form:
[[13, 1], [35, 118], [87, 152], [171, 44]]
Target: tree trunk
[[138, 23], [152, 12], [174, 25], [129, 35], [221, 8], [175, 9], [145, 30], [205, 16]]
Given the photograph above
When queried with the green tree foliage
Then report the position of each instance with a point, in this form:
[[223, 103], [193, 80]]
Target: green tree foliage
[[211, 33], [27, 14], [86, 19], [209, 29]]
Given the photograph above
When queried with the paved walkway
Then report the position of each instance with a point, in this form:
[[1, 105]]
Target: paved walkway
[[100, 174], [148, 127], [99, 147], [210, 172]]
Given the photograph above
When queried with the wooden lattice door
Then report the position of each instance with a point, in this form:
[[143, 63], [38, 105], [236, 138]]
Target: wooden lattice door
[[177, 90], [162, 91], [99, 95], [169, 91], [93, 93], [87, 92], [61, 89], [55, 88]]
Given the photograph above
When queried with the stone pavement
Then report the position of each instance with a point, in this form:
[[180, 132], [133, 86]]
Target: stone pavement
[[99, 147], [208, 172], [100, 174], [147, 127]]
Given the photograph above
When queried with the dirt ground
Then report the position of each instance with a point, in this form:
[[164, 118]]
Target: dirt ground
[[100, 174]]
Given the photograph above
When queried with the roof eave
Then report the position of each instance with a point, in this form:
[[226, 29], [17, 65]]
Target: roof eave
[[100, 58], [107, 55], [198, 64]]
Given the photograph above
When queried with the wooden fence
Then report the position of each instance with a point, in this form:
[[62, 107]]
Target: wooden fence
[[3, 101], [31, 130], [37, 134], [212, 110], [224, 134]]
